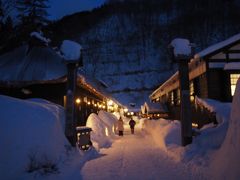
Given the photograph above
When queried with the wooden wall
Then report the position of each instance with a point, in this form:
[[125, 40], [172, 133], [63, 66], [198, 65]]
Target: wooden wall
[[55, 93], [51, 92], [203, 86]]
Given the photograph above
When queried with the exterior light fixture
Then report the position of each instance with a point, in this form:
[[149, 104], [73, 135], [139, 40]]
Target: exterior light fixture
[[110, 103], [78, 101]]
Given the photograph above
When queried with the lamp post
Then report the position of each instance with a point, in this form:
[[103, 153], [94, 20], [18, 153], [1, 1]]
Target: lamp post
[[182, 52], [71, 52]]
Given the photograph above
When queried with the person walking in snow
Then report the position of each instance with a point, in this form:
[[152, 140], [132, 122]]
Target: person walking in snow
[[120, 127], [132, 124]]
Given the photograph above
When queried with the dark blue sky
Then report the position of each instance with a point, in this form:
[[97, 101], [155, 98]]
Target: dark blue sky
[[60, 8]]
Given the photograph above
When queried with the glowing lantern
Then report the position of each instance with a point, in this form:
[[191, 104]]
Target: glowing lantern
[[78, 101], [110, 103], [195, 125]]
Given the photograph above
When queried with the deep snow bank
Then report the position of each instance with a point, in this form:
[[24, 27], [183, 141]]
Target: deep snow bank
[[227, 160], [29, 130], [110, 120], [99, 134], [167, 135]]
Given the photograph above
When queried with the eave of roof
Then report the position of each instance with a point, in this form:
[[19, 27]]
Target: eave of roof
[[204, 54]]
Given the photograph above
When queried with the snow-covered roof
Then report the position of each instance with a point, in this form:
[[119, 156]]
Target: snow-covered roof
[[182, 47], [39, 64], [212, 50], [173, 78], [217, 47], [155, 107], [96, 85], [39, 36]]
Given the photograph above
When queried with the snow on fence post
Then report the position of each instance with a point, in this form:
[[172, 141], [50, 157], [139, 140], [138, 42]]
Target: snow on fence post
[[182, 51], [71, 52]]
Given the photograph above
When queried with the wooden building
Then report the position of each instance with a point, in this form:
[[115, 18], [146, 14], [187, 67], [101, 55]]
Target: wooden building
[[213, 74], [153, 110], [41, 73]]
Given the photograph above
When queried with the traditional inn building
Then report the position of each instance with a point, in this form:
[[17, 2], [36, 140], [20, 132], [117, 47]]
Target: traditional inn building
[[213, 74], [154, 110], [41, 73]]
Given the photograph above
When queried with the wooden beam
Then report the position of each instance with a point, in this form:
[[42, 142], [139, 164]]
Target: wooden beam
[[224, 60], [232, 51]]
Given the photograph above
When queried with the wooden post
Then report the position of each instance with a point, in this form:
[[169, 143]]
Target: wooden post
[[70, 129], [185, 116]]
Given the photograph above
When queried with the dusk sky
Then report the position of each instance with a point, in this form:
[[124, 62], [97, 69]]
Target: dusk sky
[[60, 8]]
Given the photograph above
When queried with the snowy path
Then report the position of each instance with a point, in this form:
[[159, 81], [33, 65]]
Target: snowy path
[[135, 157]]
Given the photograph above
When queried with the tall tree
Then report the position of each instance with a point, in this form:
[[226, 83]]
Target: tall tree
[[1, 15], [32, 15], [6, 24]]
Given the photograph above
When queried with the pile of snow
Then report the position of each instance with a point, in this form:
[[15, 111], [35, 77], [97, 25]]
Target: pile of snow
[[99, 134], [167, 135], [117, 114], [222, 110], [142, 123], [31, 135], [71, 50], [182, 47], [227, 161], [110, 120], [209, 104], [164, 132]]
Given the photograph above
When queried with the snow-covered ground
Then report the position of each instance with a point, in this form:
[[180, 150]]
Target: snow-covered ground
[[137, 157], [33, 145]]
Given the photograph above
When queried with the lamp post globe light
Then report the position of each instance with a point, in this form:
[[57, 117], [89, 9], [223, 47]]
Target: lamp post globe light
[[182, 51], [71, 52]]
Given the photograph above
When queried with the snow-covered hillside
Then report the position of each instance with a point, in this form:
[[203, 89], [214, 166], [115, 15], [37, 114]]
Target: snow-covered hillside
[[130, 64], [126, 43]]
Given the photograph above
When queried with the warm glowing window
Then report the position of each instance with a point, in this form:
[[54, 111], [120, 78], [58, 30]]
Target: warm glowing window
[[178, 97], [233, 78], [172, 98], [191, 88]]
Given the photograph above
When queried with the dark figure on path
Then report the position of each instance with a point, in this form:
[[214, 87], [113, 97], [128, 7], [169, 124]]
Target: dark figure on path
[[120, 127], [132, 124]]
